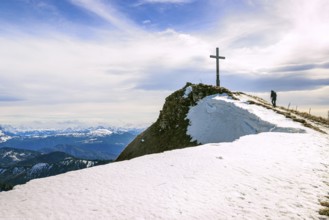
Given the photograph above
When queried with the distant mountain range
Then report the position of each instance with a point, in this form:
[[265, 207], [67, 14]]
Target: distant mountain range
[[97, 143], [18, 166], [29, 154]]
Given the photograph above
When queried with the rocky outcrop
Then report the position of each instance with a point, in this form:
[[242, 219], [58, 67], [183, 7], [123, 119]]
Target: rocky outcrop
[[169, 131]]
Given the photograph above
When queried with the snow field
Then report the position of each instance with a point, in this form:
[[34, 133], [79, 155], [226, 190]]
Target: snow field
[[264, 176]]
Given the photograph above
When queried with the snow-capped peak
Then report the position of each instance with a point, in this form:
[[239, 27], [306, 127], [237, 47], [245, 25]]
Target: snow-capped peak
[[100, 132], [3, 137]]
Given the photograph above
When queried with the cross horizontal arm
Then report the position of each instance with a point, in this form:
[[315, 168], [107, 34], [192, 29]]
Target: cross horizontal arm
[[217, 57]]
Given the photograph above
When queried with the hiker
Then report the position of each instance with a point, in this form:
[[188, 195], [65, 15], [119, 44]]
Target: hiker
[[273, 98]]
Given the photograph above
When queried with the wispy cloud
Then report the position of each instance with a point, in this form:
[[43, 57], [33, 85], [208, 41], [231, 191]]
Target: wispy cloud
[[286, 82], [9, 99], [281, 33], [109, 13], [299, 67]]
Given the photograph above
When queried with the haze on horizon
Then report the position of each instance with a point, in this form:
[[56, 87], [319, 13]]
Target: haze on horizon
[[94, 62]]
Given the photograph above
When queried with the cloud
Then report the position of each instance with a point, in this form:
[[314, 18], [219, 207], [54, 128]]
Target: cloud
[[299, 67], [9, 99], [61, 71], [262, 83], [108, 12], [146, 22], [42, 6], [310, 98], [170, 79], [278, 33]]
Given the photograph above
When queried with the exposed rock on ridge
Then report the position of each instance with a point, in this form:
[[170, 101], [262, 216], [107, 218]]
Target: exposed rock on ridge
[[169, 131]]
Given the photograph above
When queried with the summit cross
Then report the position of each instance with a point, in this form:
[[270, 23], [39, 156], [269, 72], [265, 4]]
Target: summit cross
[[217, 57]]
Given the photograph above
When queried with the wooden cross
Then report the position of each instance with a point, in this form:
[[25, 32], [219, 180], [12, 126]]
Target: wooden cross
[[217, 57]]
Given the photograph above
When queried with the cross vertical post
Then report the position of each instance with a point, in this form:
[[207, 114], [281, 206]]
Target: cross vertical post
[[217, 57]]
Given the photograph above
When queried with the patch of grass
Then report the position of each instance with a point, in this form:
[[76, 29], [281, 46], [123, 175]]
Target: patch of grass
[[309, 116], [287, 114], [326, 204], [324, 211]]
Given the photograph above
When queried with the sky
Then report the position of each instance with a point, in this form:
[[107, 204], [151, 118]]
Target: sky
[[67, 63]]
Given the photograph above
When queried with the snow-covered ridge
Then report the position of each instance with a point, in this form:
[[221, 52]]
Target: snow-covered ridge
[[101, 132], [219, 118], [37, 168], [13, 155]]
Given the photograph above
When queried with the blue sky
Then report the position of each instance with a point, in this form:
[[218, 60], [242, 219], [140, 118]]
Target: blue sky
[[89, 62]]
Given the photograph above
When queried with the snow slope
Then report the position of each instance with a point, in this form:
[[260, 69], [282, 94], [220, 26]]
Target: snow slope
[[219, 118], [268, 175]]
